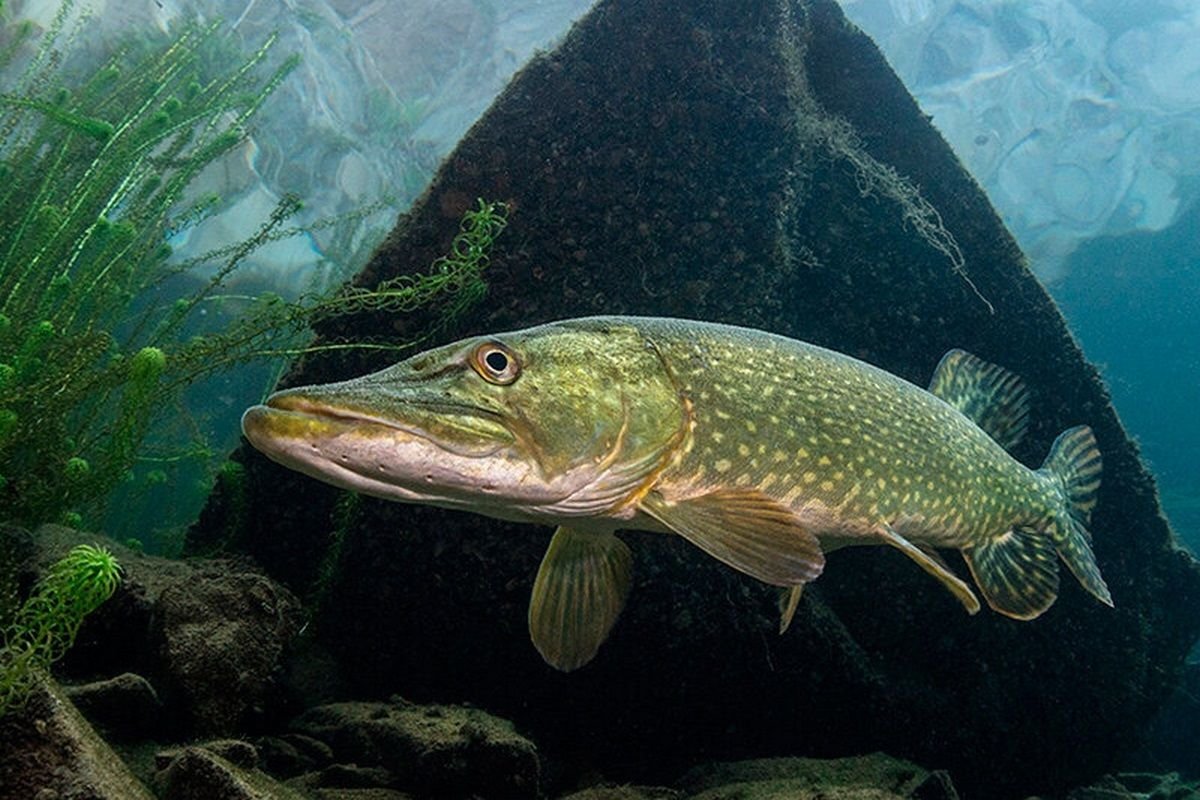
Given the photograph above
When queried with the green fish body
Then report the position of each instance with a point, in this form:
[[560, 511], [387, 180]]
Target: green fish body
[[763, 451]]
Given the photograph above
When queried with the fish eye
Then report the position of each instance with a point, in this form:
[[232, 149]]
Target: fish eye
[[496, 360], [495, 363]]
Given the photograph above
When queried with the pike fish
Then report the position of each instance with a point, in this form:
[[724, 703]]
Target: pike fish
[[765, 452]]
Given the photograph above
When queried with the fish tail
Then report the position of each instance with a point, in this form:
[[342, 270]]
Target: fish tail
[[1074, 465], [1018, 570]]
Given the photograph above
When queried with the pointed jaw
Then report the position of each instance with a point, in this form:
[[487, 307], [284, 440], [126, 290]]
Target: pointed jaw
[[398, 457]]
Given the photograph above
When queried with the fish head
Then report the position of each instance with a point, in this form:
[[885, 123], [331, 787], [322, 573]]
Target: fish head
[[561, 421]]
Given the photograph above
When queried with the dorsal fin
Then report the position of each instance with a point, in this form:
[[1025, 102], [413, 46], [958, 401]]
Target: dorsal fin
[[990, 396]]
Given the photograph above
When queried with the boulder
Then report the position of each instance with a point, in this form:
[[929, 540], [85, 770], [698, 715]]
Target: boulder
[[50, 750], [625, 793], [235, 751], [220, 636], [874, 777], [126, 706], [293, 754], [208, 634], [1162, 744], [440, 751], [359, 794], [17, 552], [762, 167], [197, 773], [1138, 786]]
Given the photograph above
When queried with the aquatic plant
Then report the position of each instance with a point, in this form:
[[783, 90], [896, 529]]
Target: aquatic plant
[[94, 177], [454, 281], [46, 624], [874, 178]]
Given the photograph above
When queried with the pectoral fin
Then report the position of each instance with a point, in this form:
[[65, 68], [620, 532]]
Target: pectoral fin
[[578, 594], [932, 563], [746, 529]]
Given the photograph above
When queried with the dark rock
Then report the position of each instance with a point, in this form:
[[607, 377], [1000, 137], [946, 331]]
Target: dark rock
[[195, 773], [235, 751], [624, 793], [314, 750], [221, 635], [116, 638], [1106, 788], [50, 751], [125, 707], [1163, 745], [677, 158], [1100, 792], [1145, 782], [352, 776], [877, 775], [936, 786], [360, 794], [17, 556], [209, 634], [1139, 786], [441, 750], [282, 758]]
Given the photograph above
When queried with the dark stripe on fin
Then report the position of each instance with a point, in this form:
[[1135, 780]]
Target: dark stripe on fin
[[990, 396], [1076, 550], [746, 529], [578, 594], [1017, 572], [1076, 462]]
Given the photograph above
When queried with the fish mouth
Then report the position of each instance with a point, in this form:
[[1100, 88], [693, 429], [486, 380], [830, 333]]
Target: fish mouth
[[287, 416], [439, 456]]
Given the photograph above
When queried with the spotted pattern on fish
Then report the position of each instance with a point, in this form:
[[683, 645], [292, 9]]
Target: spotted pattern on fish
[[845, 444]]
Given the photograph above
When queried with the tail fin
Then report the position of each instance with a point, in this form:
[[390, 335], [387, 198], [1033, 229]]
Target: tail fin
[[1074, 464]]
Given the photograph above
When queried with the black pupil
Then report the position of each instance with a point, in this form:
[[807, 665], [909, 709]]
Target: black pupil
[[496, 361]]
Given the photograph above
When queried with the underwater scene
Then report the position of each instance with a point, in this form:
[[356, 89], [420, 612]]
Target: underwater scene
[[613, 400]]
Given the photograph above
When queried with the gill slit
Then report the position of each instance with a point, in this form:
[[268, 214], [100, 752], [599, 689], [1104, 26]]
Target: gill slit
[[675, 448]]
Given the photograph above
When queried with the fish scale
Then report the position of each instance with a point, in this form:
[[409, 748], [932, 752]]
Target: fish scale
[[863, 443], [764, 452]]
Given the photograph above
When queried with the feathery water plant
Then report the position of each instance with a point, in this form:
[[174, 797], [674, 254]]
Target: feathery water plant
[[93, 179], [455, 279], [45, 625]]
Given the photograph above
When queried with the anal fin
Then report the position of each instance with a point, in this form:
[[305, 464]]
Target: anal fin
[[932, 563], [1017, 572], [578, 594]]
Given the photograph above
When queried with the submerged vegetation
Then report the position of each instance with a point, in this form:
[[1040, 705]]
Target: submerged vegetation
[[93, 181], [45, 625], [96, 177], [454, 280]]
